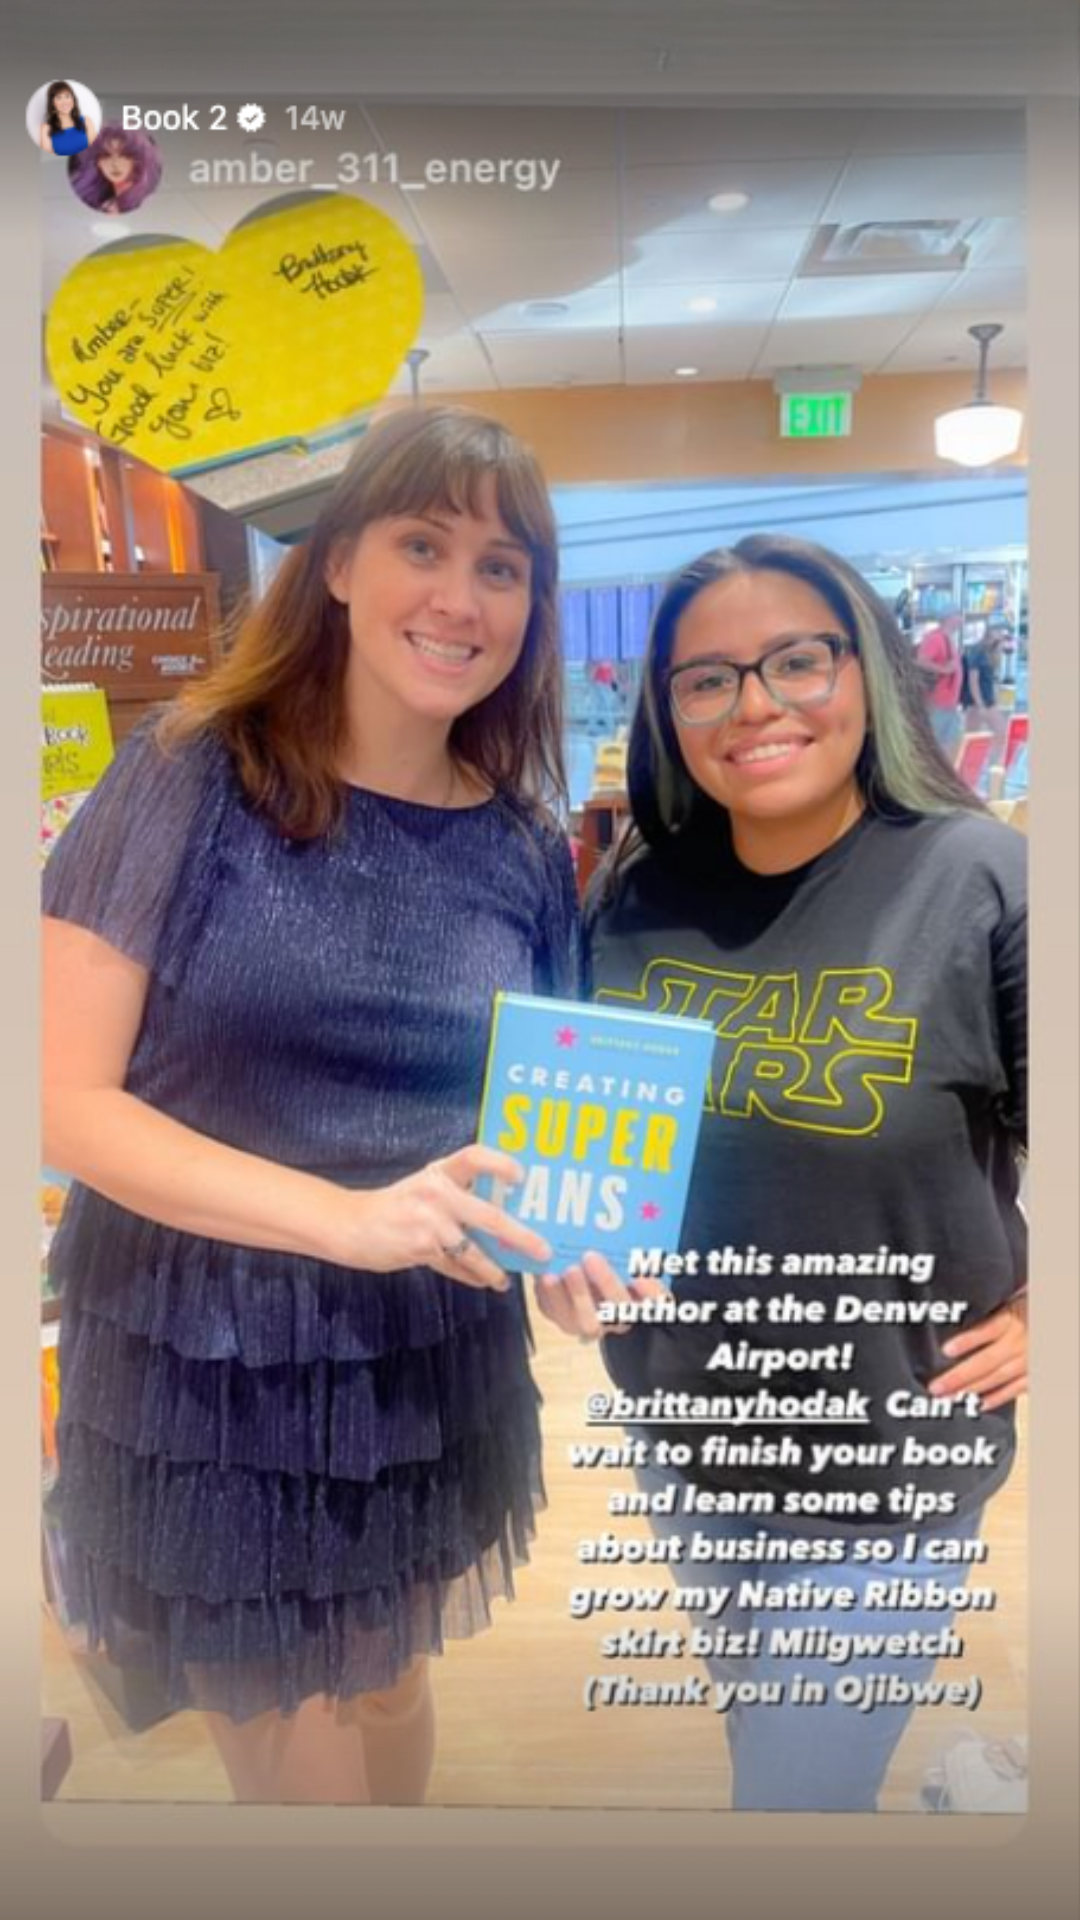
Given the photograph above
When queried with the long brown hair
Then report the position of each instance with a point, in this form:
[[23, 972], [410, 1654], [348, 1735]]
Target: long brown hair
[[901, 771], [277, 699]]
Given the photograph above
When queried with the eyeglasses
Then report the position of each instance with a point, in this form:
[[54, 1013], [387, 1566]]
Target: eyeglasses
[[798, 672]]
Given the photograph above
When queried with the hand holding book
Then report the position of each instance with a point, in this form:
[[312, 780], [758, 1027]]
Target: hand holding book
[[570, 1300], [429, 1219]]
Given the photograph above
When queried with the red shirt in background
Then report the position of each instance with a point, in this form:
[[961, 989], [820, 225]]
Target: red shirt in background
[[941, 648]]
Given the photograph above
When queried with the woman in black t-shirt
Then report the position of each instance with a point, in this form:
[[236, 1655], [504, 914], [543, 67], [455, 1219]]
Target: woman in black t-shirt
[[807, 871]]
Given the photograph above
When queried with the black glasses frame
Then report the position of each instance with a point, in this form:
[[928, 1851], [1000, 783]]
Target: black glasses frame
[[839, 645]]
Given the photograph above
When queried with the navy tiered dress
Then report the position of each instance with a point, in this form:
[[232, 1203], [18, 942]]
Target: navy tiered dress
[[281, 1477]]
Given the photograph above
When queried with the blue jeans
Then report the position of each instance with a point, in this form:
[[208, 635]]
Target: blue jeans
[[948, 726], [822, 1754]]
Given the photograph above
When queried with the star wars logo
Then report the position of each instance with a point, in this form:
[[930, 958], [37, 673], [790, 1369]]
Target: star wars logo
[[816, 1053]]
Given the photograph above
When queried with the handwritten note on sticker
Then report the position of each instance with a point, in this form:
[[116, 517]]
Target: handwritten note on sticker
[[180, 355]]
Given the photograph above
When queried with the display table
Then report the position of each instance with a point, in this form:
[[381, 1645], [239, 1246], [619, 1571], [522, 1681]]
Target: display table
[[604, 817]]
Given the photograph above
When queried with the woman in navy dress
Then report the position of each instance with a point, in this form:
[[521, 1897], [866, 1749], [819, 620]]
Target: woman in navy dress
[[299, 1442]]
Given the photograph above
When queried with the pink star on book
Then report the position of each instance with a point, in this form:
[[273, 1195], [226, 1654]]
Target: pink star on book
[[650, 1210], [565, 1037]]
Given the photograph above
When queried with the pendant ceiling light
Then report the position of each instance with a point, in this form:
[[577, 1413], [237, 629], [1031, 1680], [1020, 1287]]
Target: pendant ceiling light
[[979, 433], [414, 360]]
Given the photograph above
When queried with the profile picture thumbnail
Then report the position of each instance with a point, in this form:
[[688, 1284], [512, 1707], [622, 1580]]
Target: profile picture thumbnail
[[117, 171], [63, 118]]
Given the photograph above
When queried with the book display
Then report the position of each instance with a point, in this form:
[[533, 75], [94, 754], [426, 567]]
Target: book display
[[76, 748]]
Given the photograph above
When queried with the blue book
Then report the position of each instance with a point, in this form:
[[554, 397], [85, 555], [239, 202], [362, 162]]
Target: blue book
[[602, 1109]]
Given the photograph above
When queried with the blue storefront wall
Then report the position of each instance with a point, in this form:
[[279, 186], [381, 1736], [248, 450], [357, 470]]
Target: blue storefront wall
[[618, 544]]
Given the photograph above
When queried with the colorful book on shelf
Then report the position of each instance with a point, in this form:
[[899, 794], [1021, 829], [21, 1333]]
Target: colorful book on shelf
[[76, 748], [76, 739], [602, 1109]]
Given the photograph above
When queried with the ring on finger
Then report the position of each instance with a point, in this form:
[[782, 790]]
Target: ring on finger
[[459, 1248]]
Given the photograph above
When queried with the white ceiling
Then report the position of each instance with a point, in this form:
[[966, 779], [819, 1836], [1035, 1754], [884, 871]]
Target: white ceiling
[[625, 240]]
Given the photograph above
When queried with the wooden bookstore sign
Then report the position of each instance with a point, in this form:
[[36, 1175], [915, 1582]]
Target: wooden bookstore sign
[[139, 637]]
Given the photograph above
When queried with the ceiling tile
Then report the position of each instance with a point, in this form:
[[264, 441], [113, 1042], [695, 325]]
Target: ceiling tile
[[546, 359], [847, 296], [442, 317], [721, 353], [493, 281], [695, 259], [1002, 243], [691, 134], [577, 203], [862, 343], [929, 186], [752, 302], [945, 129], [999, 292], [416, 134], [783, 193], [941, 341], [66, 251]]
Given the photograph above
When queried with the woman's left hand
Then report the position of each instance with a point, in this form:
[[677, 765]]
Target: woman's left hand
[[570, 1300], [992, 1356]]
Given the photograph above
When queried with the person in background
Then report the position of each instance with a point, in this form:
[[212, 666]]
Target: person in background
[[978, 697], [298, 1440], [809, 874], [939, 655]]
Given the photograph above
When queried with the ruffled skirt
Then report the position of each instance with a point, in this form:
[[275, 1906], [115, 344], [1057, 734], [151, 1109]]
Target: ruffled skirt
[[280, 1478]]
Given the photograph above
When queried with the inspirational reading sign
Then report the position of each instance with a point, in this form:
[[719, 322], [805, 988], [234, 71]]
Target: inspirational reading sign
[[181, 356], [140, 637]]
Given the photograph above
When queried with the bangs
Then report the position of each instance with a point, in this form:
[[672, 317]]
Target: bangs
[[446, 465]]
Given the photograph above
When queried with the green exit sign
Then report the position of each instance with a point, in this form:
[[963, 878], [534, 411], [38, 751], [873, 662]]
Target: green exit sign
[[815, 416]]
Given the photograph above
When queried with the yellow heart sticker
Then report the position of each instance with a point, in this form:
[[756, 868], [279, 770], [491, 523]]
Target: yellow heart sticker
[[182, 356]]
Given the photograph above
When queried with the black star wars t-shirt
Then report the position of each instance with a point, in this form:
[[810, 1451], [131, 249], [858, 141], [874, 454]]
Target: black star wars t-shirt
[[859, 1149]]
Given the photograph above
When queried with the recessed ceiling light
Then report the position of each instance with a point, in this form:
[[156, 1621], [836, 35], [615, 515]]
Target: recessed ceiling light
[[685, 373], [729, 202], [704, 305], [545, 309]]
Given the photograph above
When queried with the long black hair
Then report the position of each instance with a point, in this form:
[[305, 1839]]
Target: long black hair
[[901, 771], [52, 118]]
